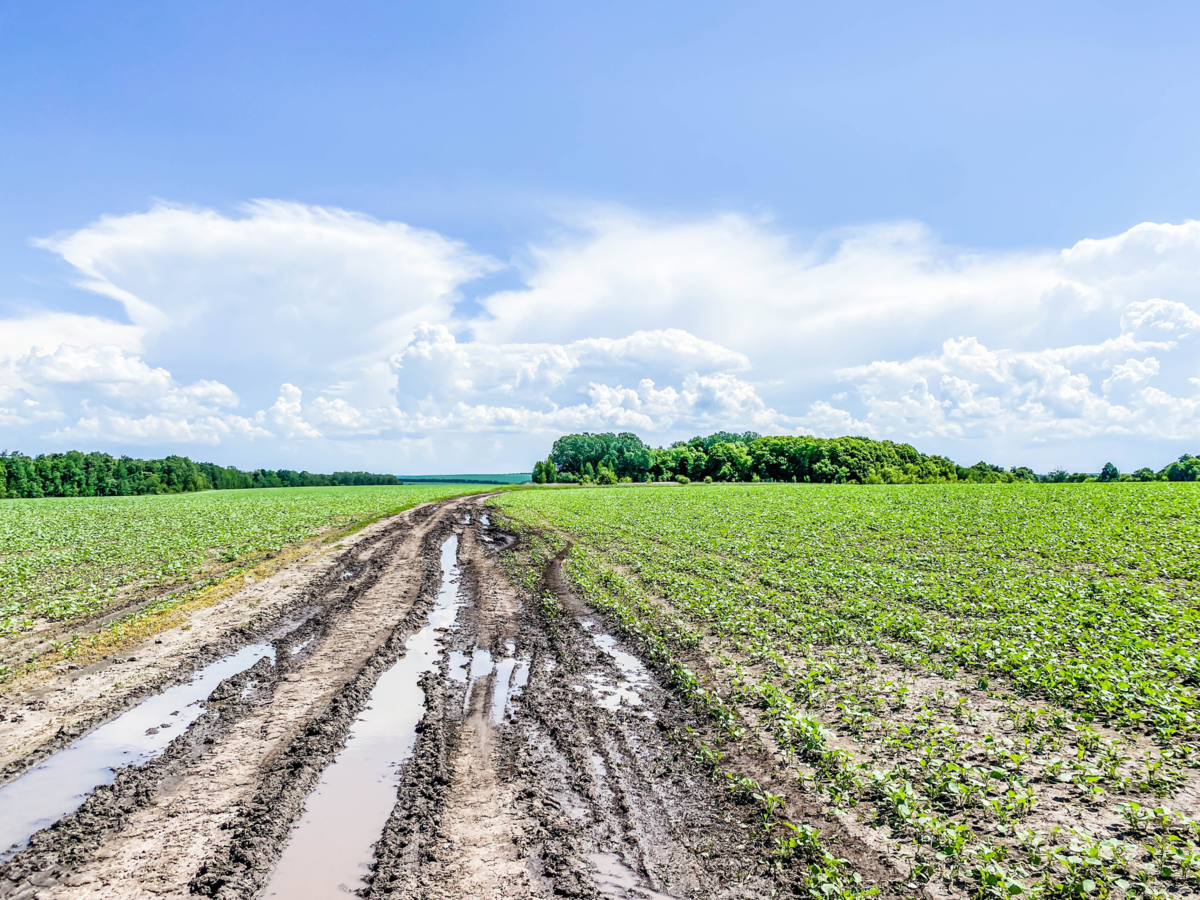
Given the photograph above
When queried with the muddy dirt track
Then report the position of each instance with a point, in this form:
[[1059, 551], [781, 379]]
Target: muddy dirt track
[[414, 726]]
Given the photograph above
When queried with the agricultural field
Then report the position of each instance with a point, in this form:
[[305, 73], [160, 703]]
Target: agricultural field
[[994, 687], [66, 560], [632, 692]]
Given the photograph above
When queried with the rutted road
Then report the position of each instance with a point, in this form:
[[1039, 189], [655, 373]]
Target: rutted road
[[553, 764]]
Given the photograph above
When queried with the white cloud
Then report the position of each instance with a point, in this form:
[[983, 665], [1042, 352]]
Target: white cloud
[[110, 426], [287, 414], [282, 284], [664, 326], [46, 332], [47, 383], [1132, 371], [1160, 316], [969, 390]]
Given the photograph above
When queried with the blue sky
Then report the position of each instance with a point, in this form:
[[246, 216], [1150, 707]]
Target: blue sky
[[431, 237]]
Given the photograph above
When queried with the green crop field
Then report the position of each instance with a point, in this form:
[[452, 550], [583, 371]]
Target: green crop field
[[999, 681], [66, 558]]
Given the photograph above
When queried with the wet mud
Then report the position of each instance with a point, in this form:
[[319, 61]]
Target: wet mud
[[423, 727]]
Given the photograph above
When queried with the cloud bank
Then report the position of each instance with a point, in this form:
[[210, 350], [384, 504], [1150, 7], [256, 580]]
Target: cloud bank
[[327, 338]]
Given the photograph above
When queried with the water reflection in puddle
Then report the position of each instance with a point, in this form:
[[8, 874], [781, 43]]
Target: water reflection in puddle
[[500, 688], [330, 848], [616, 880], [481, 667], [635, 678], [459, 662], [61, 783]]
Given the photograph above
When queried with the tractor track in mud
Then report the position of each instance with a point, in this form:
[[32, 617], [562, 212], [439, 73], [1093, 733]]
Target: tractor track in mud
[[582, 782]]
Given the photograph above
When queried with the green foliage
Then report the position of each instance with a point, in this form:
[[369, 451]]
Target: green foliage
[[62, 559], [76, 474], [583, 454], [817, 610], [727, 456], [1186, 468], [848, 459], [1084, 596]]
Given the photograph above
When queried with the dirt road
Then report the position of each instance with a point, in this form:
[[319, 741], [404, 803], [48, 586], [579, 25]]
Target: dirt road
[[416, 726]]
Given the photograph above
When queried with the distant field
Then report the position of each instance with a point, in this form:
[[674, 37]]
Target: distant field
[[967, 667], [66, 558], [507, 478]]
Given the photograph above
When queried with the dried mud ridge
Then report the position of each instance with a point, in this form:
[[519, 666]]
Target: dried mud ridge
[[583, 782]]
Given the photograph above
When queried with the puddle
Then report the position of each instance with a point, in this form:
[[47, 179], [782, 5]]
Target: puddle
[[520, 679], [481, 667], [287, 626], [299, 648], [481, 664], [500, 688], [467, 520], [330, 849], [61, 783], [616, 880], [459, 663], [485, 521], [634, 676]]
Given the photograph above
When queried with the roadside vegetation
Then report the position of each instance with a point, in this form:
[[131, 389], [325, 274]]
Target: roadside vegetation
[[996, 683], [71, 559]]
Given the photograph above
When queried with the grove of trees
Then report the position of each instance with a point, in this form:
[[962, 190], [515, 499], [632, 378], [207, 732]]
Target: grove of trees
[[748, 456], [76, 474]]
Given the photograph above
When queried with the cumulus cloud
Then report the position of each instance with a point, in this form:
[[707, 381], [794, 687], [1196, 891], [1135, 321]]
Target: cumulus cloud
[[112, 426], [46, 332], [280, 284], [473, 387], [287, 414], [667, 326], [47, 385], [969, 390]]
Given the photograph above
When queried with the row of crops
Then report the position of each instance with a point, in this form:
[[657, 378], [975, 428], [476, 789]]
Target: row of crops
[[999, 682], [70, 558]]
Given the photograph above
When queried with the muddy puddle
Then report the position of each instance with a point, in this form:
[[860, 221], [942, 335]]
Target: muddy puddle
[[330, 849], [634, 680], [60, 784], [617, 881], [512, 675]]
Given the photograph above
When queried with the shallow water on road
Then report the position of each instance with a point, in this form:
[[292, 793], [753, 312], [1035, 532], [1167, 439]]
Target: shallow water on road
[[635, 677], [330, 849], [617, 881], [61, 783]]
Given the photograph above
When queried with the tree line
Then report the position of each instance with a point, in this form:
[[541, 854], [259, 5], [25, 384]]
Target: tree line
[[748, 456], [76, 474]]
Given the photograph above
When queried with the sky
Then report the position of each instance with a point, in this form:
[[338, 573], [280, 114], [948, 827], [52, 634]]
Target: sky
[[431, 238]]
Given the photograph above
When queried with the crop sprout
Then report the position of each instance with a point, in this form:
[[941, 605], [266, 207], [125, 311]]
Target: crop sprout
[[66, 559], [961, 668]]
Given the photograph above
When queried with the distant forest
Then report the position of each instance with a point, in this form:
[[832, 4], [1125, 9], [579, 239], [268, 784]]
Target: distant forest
[[76, 474], [748, 456]]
